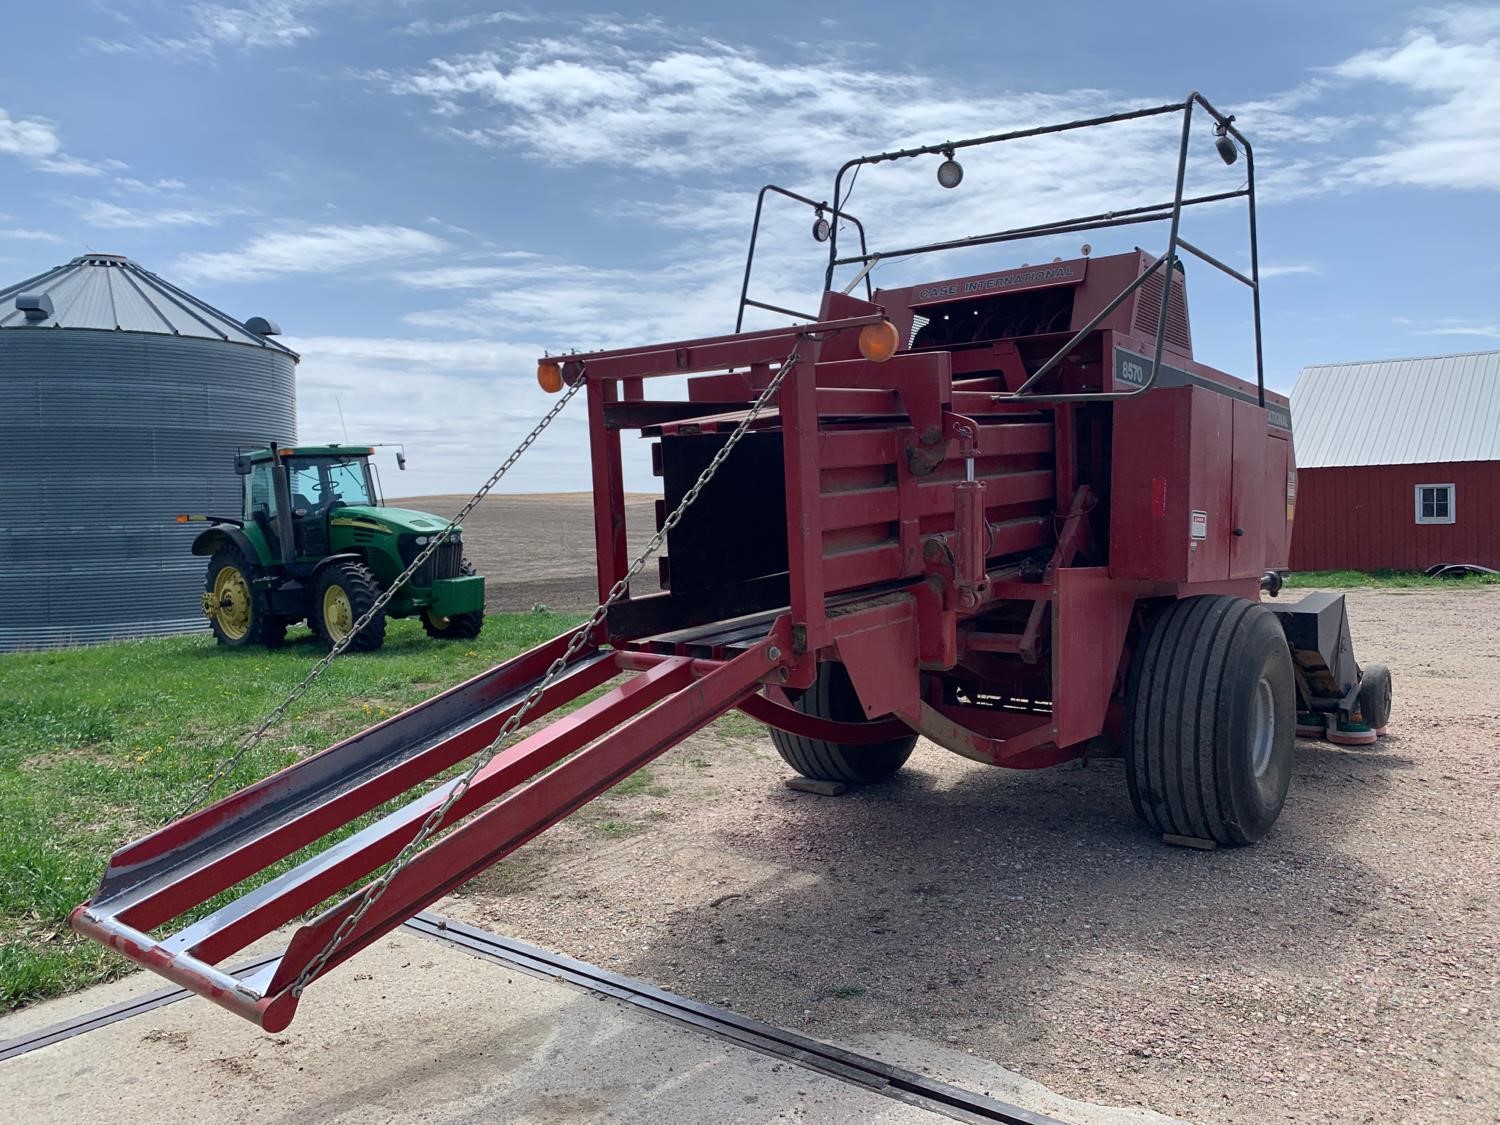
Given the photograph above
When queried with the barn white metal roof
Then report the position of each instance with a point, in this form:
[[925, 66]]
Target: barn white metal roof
[[1398, 411], [113, 293]]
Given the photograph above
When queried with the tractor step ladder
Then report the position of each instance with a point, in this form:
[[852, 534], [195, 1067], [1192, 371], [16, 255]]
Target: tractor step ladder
[[523, 790]]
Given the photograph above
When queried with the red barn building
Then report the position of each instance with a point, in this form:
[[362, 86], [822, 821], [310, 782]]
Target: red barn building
[[1398, 463]]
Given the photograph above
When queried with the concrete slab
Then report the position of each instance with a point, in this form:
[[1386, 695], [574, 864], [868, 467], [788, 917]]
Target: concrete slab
[[415, 1031]]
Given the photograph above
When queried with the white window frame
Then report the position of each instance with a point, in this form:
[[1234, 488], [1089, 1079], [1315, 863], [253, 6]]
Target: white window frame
[[1452, 515]]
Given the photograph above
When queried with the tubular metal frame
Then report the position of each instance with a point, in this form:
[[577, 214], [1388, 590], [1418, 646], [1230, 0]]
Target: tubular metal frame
[[760, 201], [1169, 211]]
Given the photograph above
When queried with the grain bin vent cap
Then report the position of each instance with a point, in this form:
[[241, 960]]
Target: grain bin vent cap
[[34, 306], [109, 292]]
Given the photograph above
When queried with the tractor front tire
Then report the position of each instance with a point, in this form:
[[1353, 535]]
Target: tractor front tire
[[1210, 718], [344, 593], [832, 696], [242, 614], [460, 626]]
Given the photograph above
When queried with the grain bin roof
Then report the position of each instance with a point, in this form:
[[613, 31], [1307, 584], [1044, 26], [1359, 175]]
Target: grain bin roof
[[112, 293], [1398, 411]]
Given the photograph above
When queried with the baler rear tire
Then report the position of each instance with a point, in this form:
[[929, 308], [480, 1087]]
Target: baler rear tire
[[832, 696], [1210, 719]]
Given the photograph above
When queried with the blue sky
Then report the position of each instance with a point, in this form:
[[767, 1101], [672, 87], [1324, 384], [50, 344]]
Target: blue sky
[[426, 194]]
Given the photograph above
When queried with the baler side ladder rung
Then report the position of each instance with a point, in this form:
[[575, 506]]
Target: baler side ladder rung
[[528, 786]]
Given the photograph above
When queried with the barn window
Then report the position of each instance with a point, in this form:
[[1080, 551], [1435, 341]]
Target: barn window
[[1434, 503]]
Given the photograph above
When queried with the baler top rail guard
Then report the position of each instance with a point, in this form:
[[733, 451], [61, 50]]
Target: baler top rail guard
[[876, 527], [1166, 211]]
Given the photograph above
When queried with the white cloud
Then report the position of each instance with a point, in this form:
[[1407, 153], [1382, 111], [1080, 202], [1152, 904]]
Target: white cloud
[[29, 138], [1284, 270], [1451, 65], [458, 405], [30, 235], [1451, 326], [36, 142], [450, 355], [319, 249], [111, 216], [212, 26], [466, 23], [154, 187]]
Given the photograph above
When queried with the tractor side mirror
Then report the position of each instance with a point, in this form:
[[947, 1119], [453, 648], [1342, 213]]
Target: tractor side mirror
[[242, 464], [401, 460]]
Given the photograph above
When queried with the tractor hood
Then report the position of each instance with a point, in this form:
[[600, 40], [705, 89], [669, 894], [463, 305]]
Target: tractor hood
[[398, 520]]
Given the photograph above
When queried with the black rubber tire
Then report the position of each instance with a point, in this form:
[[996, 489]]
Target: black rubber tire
[[832, 696], [1190, 698], [461, 626], [265, 627], [363, 590], [1375, 695]]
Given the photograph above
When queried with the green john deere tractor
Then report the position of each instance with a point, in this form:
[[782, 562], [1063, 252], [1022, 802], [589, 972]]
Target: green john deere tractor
[[315, 543]]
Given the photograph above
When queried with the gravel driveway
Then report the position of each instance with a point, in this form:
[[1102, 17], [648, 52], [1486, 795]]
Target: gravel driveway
[[1342, 970]]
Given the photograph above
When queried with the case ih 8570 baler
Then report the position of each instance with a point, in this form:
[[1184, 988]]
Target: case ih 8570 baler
[[1008, 512]]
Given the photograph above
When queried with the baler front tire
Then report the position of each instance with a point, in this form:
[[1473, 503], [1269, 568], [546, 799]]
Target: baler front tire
[[832, 696], [1375, 696], [1210, 718]]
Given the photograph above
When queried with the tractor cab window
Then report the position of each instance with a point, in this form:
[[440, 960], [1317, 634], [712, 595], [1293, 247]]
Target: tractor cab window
[[349, 482], [320, 483], [260, 492]]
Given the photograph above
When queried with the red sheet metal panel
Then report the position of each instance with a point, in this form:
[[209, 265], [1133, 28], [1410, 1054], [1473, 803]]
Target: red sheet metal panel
[[1247, 542], [1364, 518], [1170, 514]]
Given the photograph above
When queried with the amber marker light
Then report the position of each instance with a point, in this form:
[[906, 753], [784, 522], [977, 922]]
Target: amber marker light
[[878, 342], [549, 376]]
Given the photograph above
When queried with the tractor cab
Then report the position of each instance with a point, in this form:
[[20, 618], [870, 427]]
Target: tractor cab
[[320, 480]]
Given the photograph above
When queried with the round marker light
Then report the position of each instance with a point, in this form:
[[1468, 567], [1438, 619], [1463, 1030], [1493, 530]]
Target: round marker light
[[821, 230], [878, 342], [549, 376], [950, 172], [1228, 153]]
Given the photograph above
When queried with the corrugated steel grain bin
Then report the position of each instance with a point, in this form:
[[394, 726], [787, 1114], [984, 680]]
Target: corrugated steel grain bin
[[122, 402]]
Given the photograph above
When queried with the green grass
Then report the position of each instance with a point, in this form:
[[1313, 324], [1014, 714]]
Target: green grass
[[100, 745], [1386, 579]]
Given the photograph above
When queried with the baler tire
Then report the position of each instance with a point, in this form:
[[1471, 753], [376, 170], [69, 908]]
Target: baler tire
[[1375, 696], [362, 588], [460, 626], [832, 696], [264, 628], [1210, 720]]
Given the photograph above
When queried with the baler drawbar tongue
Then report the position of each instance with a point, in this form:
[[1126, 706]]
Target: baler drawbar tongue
[[183, 866]]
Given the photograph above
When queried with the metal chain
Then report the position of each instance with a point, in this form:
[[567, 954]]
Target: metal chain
[[375, 890], [253, 739]]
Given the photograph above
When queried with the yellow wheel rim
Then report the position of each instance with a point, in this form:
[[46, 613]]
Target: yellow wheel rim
[[232, 602], [338, 612], [437, 621]]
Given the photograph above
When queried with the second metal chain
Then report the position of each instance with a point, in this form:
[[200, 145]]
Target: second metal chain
[[579, 638], [254, 737]]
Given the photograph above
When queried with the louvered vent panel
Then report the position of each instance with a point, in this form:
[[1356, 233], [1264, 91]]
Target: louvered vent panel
[[1148, 309]]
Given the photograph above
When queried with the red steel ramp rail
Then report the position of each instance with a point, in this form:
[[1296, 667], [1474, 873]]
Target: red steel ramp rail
[[527, 787]]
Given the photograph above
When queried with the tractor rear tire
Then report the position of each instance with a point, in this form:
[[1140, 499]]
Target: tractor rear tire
[[344, 593], [832, 696], [1210, 718], [244, 616], [460, 626]]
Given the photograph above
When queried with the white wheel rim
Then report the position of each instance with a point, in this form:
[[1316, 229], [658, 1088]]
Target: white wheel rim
[[1262, 727]]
